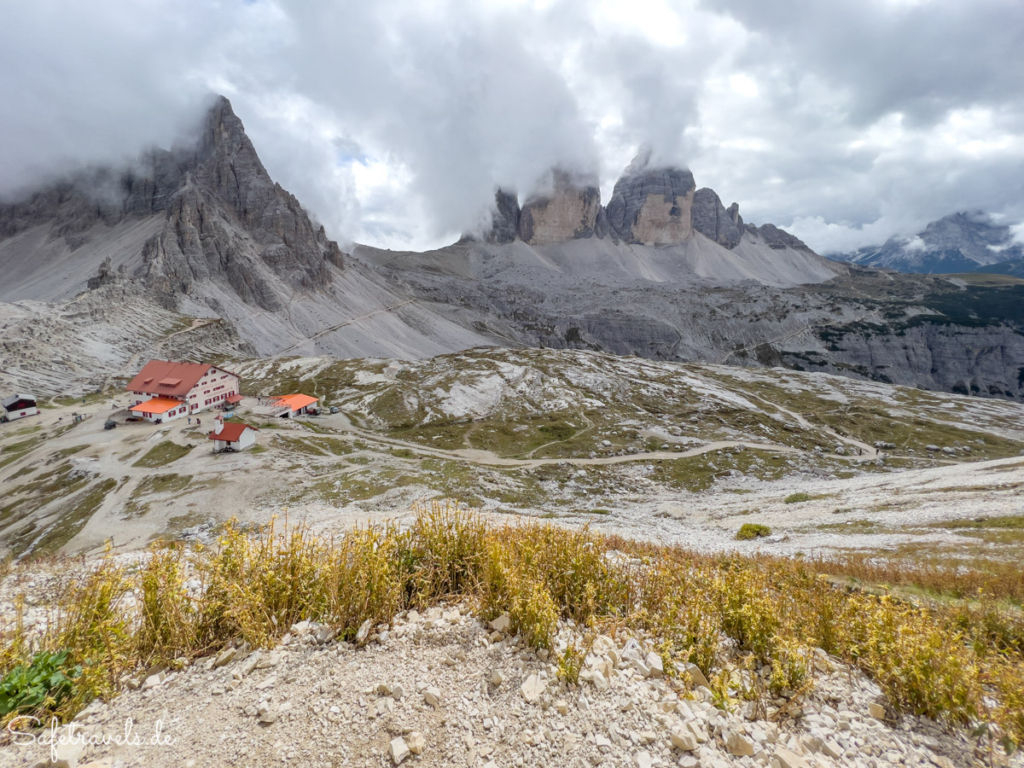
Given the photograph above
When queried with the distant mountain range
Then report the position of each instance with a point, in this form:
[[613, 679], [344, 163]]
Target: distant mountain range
[[970, 241], [196, 253]]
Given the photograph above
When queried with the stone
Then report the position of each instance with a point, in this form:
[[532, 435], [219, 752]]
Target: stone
[[268, 660], [248, 665], [154, 681], [496, 677], [398, 750], [699, 731], [655, 666], [830, 748], [683, 739], [876, 711], [643, 759], [432, 696], [696, 676], [532, 688], [739, 744], [66, 755], [416, 742], [562, 707], [501, 624], [267, 713], [224, 657], [363, 633], [789, 759]]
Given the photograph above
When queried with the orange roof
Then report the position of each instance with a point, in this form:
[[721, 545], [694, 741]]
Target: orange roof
[[161, 377], [295, 402], [157, 405], [231, 432], [234, 398]]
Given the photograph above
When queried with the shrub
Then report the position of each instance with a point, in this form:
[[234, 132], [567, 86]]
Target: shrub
[[749, 531], [796, 498], [42, 685], [748, 623]]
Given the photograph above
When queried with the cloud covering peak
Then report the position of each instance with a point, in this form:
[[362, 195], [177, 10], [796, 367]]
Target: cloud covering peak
[[393, 122]]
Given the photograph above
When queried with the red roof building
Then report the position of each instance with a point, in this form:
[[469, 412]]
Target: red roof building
[[296, 404], [165, 390], [232, 435]]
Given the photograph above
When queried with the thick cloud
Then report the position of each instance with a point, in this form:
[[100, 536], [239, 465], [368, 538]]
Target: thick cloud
[[846, 121]]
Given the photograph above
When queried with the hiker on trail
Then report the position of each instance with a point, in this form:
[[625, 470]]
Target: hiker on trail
[[199, 422], [189, 419]]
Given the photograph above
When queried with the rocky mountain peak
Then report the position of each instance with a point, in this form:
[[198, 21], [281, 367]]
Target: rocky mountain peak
[[567, 209], [504, 218], [965, 241], [712, 220], [224, 218], [651, 205]]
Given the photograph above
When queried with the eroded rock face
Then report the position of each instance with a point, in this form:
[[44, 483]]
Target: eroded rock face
[[775, 238], [712, 220], [223, 213], [570, 211], [504, 219], [652, 205]]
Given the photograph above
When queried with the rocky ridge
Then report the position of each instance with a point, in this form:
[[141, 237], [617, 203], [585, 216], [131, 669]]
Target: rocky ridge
[[223, 217], [202, 230], [650, 205]]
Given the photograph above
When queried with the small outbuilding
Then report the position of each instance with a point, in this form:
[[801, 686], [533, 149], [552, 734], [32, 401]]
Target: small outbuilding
[[232, 436], [295, 405], [18, 407]]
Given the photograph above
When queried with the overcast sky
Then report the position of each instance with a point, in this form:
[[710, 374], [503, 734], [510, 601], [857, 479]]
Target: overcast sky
[[844, 121]]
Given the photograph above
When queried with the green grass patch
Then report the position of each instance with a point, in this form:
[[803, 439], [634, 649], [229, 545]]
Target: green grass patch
[[73, 518], [1004, 522], [796, 498], [164, 483], [162, 454]]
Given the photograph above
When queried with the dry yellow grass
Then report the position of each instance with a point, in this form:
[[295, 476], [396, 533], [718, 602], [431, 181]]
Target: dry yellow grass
[[955, 663]]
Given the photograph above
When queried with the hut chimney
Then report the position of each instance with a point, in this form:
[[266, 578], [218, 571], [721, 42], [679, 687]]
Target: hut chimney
[[218, 424]]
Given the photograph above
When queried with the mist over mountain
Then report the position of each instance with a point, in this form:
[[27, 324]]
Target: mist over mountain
[[969, 241], [393, 127]]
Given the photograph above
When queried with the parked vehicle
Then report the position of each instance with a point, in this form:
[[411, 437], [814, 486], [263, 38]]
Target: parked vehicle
[[334, 409], [109, 424]]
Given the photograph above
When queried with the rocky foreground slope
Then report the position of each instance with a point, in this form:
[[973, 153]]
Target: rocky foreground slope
[[445, 688]]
